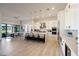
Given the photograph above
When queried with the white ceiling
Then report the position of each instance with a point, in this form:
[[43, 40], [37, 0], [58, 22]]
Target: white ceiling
[[25, 11]]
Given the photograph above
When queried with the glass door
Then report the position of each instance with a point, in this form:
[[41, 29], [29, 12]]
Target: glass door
[[9, 29], [17, 28], [4, 30]]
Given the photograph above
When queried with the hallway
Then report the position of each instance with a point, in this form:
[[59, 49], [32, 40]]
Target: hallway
[[20, 47]]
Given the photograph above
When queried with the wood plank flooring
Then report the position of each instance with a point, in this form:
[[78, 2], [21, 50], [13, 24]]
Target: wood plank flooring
[[20, 47]]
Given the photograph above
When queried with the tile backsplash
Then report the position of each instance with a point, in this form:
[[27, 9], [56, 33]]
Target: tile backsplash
[[71, 33]]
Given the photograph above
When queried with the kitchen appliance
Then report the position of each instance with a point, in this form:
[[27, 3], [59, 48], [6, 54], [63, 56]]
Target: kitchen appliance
[[54, 30]]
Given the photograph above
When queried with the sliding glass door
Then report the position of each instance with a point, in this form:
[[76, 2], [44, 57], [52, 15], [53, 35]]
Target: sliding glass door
[[17, 28], [4, 30], [9, 29]]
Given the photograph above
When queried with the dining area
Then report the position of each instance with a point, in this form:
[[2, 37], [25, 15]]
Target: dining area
[[36, 36]]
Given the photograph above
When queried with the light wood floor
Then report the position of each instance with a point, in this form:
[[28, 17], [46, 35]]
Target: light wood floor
[[20, 47]]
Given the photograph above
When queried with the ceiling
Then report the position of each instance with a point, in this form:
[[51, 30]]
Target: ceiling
[[26, 11]]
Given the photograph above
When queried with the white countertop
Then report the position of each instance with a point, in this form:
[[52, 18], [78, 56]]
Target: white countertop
[[72, 43]]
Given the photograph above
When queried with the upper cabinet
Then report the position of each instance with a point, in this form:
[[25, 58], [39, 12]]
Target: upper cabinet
[[71, 16]]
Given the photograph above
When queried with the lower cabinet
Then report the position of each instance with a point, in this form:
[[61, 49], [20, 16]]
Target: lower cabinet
[[67, 51]]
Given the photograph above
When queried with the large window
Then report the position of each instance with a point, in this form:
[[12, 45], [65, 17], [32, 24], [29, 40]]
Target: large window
[[8, 29], [3, 28], [17, 28]]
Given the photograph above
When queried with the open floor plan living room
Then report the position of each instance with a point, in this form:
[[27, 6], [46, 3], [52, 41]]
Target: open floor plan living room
[[39, 29]]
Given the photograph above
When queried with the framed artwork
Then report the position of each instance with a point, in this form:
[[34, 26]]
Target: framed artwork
[[42, 25]]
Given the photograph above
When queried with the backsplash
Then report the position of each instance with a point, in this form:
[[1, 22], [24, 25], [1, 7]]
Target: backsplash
[[71, 33]]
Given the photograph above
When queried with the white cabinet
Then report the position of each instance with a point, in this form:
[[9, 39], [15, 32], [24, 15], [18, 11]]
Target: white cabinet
[[61, 19], [69, 19], [71, 16], [61, 23]]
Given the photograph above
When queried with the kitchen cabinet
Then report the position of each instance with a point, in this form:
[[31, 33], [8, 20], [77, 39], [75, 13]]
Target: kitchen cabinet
[[71, 16], [68, 20], [61, 24]]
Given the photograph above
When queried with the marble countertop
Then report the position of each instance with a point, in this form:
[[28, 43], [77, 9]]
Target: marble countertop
[[72, 43]]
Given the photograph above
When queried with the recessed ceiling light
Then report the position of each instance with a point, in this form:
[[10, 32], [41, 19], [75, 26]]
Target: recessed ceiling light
[[53, 8]]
